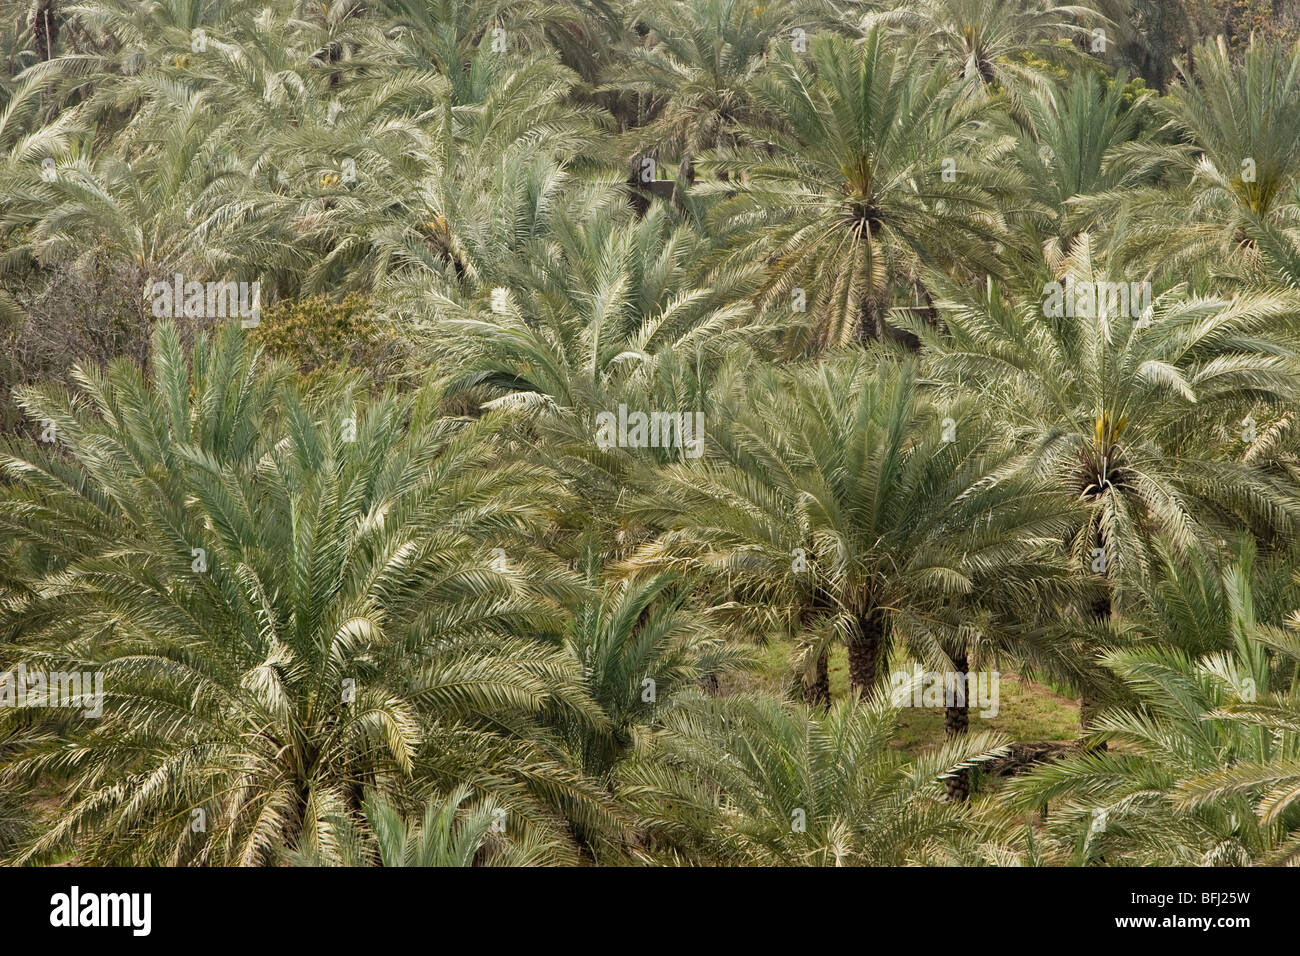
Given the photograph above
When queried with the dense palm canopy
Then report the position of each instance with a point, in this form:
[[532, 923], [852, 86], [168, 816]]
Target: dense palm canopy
[[643, 404], [986, 43], [1233, 154], [757, 782], [1117, 404], [1079, 126], [1202, 776]]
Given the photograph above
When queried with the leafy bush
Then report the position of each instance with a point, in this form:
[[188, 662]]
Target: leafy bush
[[320, 336]]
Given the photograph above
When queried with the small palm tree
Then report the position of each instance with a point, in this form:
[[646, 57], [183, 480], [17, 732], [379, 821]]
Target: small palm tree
[[146, 217], [490, 159], [639, 645], [448, 834], [594, 306], [755, 781], [1077, 129]]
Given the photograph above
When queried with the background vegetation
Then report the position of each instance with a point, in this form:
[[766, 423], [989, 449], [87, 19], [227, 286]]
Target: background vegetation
[[365, 589]]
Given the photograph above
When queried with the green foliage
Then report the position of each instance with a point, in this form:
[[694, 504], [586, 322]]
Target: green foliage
[[320, 336], [752, 781], [366, 586], [282, 607]]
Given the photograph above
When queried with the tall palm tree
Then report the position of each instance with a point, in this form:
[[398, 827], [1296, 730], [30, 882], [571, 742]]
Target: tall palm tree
[[872, 164], [841, 505], [1117, 403], [287, 607]]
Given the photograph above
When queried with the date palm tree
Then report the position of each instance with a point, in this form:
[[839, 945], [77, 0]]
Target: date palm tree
[[145, 218], [639, 644], [872, 163], [449, 193], [841, 504], [368, 173], [989, 42], [752, 780], [1129, 409], [1077, 129], [444, 34], [287, 607], [696, 74], [1236, 156], [448, 833], [593, 304], [599, 309]]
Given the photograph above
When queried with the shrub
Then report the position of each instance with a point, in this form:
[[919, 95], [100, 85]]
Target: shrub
[[321, 337]]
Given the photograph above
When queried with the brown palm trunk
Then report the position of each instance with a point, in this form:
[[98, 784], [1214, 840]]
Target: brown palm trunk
[[817, 694], [864, 653], [637, 197], [45, 28], [956, 723], [1089, 708], [1089, 705], [871, 322]]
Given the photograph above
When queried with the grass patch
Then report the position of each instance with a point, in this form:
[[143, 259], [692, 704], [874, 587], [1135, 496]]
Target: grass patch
[[1028, 710]]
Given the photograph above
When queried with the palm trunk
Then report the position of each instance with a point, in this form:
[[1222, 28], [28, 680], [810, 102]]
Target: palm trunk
[[1089, 704], [637, 198], [864, 653], [1089, 708], [956, 723], [871, 321], [686, 169], [45, 28], [817, 693]]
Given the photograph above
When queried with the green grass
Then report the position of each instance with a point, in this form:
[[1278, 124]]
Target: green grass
[[1027, 709]]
